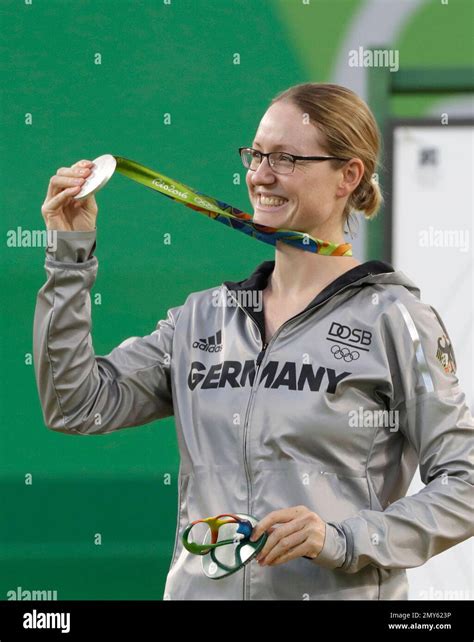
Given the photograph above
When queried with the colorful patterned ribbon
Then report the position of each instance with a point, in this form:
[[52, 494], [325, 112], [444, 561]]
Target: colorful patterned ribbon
[[224, 213]]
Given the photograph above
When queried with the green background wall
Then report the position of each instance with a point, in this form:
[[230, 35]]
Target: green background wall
[[156, 59]]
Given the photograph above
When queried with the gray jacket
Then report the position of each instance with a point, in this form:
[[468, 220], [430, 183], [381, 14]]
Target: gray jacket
[[334, 414]]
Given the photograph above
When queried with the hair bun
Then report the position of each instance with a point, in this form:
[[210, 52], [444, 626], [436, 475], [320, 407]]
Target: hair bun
[[367, 198]]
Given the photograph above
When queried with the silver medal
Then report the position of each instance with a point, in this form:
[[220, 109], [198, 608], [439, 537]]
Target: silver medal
[[102, 171]]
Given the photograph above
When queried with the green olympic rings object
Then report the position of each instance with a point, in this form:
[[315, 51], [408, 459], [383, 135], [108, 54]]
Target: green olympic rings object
[[222, 557]]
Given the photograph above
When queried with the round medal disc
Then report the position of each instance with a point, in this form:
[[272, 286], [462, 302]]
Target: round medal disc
[[226, 560], [102, 171]]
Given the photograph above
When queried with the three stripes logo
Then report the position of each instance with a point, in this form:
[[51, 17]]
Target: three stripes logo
[[210, 344]]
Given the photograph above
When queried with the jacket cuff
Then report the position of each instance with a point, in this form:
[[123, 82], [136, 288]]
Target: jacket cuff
[[72, 246], [333, 553]]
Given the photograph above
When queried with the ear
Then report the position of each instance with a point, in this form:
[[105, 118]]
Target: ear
[[351, 175]]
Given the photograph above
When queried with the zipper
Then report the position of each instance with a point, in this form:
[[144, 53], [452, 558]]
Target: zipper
[[258, 363], [259, 360], [261, 355]]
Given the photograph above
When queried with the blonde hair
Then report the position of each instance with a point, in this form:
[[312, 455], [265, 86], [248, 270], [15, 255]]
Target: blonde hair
[[349, 130]]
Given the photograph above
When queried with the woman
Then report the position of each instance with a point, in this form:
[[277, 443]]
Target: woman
[[312, 414]]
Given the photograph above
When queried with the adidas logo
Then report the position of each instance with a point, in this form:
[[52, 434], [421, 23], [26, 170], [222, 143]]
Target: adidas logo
[[211, 344]]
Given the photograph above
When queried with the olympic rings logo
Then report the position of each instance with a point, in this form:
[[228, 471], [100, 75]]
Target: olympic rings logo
[[344, 353]]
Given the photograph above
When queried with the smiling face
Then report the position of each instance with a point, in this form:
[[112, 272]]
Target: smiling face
[[314, 192]]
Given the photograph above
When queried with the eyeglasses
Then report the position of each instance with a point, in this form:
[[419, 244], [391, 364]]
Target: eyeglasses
[[280, 162]]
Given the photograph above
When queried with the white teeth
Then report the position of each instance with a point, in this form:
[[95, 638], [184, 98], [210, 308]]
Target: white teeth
[[271, 200]]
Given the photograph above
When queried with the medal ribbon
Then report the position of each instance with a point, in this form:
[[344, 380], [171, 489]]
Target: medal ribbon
[[224, 213]]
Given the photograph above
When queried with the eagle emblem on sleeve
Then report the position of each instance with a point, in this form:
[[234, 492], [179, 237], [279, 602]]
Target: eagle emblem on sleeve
[[445, 354]]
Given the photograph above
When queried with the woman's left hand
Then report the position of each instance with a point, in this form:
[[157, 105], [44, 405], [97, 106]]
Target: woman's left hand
[[301, 534]]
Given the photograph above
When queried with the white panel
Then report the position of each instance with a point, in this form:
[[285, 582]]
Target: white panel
[[432, 226]]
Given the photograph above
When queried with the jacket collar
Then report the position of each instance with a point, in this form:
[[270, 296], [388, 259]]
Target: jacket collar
[[259, 278]]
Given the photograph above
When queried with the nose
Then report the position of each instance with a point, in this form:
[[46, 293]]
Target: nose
[[263, 174]]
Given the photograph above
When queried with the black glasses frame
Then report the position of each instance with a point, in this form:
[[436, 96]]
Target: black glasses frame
[[293, 157]]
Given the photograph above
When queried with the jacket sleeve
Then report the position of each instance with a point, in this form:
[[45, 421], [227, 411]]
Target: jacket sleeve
[[81, 393], [435, 419]]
